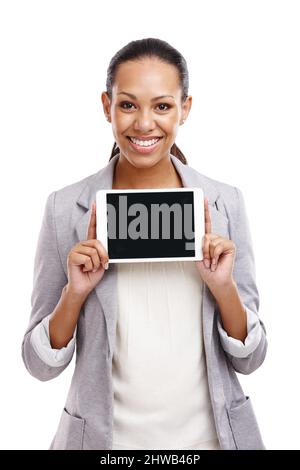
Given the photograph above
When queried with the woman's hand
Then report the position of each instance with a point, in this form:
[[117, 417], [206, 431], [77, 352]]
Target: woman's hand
[[86, 261], [218, 255]]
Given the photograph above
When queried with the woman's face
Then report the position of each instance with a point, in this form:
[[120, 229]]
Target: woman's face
[[146, 105]]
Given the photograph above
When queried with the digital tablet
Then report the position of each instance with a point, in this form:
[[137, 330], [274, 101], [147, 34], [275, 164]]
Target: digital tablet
[[136, 225]]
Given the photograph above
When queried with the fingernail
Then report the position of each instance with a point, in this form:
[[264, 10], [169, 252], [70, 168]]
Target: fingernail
[[106, 265], [94, 270], [206, 262]]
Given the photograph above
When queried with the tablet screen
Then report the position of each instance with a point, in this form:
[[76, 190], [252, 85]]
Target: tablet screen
[[149, 225]]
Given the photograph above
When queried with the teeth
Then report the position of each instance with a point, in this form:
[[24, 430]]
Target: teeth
[[143, 143]]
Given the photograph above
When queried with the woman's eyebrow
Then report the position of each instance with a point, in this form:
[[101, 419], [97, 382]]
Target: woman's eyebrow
[[153, 99]]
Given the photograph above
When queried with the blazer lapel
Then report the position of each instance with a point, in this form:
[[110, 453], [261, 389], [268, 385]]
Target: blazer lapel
[[106, 289]]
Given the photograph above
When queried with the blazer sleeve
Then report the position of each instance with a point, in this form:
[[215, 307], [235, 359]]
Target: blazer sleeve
[[49, 279], [40, 340], [239, 348], [244, 274]]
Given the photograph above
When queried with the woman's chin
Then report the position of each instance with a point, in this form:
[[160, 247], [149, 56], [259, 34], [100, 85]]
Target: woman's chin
[[142, 161]]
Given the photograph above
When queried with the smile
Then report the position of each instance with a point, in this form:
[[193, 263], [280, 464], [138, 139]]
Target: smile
[[144, 146]]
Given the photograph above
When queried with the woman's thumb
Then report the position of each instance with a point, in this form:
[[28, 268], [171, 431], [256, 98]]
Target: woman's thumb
[[91, 232]]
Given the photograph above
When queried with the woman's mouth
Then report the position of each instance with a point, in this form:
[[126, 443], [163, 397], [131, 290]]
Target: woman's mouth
[[144, 146]]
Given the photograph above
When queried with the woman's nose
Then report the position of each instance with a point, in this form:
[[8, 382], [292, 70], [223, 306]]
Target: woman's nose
[[144, 122]]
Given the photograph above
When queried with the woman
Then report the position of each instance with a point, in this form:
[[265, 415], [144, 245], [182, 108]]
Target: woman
[[158, 344]]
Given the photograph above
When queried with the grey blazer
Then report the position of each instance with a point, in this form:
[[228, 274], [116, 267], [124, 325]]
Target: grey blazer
[[86, 420]]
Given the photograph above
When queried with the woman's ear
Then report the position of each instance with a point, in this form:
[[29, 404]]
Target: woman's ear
[[186, 107], [106, 104]]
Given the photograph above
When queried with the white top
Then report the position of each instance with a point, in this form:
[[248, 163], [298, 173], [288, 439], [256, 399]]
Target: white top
[[161, 398]]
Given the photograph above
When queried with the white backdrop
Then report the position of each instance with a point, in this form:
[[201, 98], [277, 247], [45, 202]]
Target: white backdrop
[[243, 129]]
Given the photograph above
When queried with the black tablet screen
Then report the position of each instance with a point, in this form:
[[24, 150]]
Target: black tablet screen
[[150, 224]]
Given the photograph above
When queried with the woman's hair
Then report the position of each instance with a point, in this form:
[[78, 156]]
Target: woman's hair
[[144, 48]]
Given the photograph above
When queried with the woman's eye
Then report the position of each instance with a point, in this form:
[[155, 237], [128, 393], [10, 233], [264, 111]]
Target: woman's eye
[[125, 103], [164, 104]]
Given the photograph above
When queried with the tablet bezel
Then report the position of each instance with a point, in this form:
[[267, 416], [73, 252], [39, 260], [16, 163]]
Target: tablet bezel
[[101, 215]]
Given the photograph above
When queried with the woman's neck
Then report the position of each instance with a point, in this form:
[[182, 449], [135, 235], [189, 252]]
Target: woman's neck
[[161, 175]]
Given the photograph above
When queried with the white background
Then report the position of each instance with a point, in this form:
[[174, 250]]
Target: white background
[[243, 129]]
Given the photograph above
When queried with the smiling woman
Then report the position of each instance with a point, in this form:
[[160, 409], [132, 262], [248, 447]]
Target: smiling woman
[[158, 345], [146, 98]]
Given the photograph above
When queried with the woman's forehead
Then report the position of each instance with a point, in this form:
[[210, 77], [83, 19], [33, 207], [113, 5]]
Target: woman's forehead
[[150, 76]]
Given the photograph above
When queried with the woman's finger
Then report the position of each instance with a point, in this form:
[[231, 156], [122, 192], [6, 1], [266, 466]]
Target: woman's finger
[[91, 231], [216, 251], [205, 250], [78, 259], [100, 248], [207, 240], [92, 253], [217, 247], [207, 218]]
